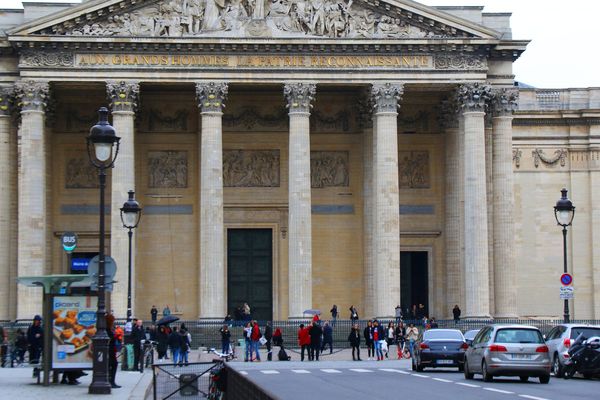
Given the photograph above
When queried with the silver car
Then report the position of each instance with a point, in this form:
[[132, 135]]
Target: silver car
[[508, 350], [559, 340]]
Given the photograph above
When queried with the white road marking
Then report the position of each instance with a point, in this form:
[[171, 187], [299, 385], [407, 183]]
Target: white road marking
[[331, 371], [467, 384], [360, 370], [269, 371], [394, 370], [243, 373], [301, 371], [442, 380], [420, 376], [526, 396], [498, 390]]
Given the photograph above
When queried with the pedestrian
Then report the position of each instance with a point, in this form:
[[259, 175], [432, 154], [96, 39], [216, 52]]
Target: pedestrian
[[137, 335], [421, 312], [354, 339], [334, 315], [248, 341], [20, 345], [315, 333], [255, 337], [166, 311], [153, 314], [398, 314], [35, 338], [316, 319], [268, 335], [368, 334], [353, 314], [412, 334], [390, 337], [112, 351], [246, 312], [456, 313], [119, 336], [162, 337], [277, 338], [433, 323], [400, 332], [378, 338], [303, 341], [225, 338], [175, 345], [184, 347], [413, 312], [327, 338]]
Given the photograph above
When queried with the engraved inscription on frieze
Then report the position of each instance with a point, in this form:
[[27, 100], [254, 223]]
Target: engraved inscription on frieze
[[413, 169], [80, 173], [329, 169], [251, 168], [167, 169]]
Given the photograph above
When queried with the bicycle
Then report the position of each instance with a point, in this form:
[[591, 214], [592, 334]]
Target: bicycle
[[147, 353]]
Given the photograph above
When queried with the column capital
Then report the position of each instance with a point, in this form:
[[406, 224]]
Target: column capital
[[386, 96], [123, 95], [473, 96], [32, 95], [504, 101], [448, 113], [211, 95], [7, 94], [299, 96]]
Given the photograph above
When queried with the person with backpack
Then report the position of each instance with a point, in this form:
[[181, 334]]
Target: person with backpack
[[354, 339]]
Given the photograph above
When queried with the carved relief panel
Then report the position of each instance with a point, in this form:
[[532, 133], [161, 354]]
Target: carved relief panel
[[413, 169], [167, 169], [329, 169], [79, 173], [251, 168]]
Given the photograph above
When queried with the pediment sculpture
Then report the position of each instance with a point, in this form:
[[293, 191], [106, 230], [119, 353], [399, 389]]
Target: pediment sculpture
[[256, 18]]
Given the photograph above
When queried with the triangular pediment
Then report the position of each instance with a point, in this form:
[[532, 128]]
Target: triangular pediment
[[370, 19]]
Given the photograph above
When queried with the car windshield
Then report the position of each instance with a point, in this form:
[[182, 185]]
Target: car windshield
[[587, 332], [513, 335], [437, 334], [471, 334]]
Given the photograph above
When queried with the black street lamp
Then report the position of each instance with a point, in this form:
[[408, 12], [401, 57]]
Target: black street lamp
[[130, 217], [564, 211], [102, 147]]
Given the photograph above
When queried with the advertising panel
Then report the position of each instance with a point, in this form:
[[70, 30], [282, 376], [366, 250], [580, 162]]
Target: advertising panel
[[73, 326]]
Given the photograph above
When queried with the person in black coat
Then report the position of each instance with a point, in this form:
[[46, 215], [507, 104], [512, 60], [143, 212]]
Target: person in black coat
[[368, 334], [456, 313], [175, 344], [112, 351], [327, 338], [137, 335], [225, 339], [153, 314], [35, 338], [269, 336], [315, 333], [354, 339]]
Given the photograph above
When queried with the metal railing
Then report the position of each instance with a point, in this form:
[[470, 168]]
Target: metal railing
[[194, 380]]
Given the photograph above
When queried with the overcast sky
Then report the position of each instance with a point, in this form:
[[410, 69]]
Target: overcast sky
[[564, 49]]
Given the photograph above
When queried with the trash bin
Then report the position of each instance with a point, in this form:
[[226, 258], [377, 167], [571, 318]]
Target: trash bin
[[188, 385]]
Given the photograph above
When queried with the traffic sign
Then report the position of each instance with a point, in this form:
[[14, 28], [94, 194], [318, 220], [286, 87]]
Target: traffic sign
[[110, 269], [69, 241], [567, 292], [566, 279]]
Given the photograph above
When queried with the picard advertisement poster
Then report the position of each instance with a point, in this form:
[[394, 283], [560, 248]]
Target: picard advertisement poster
[[73, 326]]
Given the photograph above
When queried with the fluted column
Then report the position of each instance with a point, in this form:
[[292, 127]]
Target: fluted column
[[505, 288], [6, 198], [472, 98], [489, 189], [123, 98], [386, 229], [299, 97], [454, 283], [32, 249], [211, 96]]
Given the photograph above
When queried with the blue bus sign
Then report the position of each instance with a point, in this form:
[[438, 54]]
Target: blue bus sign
[[69, 241]]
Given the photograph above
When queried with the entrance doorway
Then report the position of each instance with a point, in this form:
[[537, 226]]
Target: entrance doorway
[[250, 271], [414, 280]]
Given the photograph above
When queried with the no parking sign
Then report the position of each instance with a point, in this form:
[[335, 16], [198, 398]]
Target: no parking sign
[[566, 279]]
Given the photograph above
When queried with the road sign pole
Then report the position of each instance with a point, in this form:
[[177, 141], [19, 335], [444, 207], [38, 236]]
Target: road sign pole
[[566, 302]]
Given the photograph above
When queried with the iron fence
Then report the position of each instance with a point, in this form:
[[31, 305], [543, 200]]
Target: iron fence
[[191, 381]]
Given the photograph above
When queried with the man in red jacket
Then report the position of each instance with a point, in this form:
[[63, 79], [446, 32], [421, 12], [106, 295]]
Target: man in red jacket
[[255, 337], [303, 340]]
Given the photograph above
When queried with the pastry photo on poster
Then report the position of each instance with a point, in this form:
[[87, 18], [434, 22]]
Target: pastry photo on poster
[[73, 327]]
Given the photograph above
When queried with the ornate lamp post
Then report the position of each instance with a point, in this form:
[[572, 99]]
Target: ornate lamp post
[[564, 211], [103, 147], [130, 217]]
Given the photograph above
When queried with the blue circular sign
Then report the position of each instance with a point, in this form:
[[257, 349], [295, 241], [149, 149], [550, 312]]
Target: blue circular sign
[[566, 279]]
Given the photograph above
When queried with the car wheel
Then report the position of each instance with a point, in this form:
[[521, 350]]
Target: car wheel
[[545, 379], [468, 375], [557, 369], [524, 378], [419, 368], [487, 377], [461, 368]]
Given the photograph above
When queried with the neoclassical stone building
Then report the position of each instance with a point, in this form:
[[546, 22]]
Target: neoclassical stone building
[[295, 154]]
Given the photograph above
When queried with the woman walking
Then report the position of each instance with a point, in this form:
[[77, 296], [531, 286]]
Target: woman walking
[[248, 342], [412, 334], [354, 339], [368, 334], [400, 332], [378, 337], [184, 347], [390, 338]]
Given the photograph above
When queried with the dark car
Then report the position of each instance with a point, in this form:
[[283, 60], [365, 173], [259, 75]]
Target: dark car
[[440, 348], [470, 335]]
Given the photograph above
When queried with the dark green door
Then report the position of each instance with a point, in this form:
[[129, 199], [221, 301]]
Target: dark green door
[[414, 279], [250, 271]]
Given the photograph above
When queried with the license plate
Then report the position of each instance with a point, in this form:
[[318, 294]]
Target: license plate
[[445, 362], [521, 356]]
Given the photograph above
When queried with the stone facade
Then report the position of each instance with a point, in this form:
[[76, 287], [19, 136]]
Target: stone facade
[[321, 121]]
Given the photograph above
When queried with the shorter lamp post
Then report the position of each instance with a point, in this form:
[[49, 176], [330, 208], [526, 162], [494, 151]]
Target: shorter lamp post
[[102, 147], [130, 217], [564, 211]]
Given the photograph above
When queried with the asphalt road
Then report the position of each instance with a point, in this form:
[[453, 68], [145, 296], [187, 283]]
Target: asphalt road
[[394, 380]]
